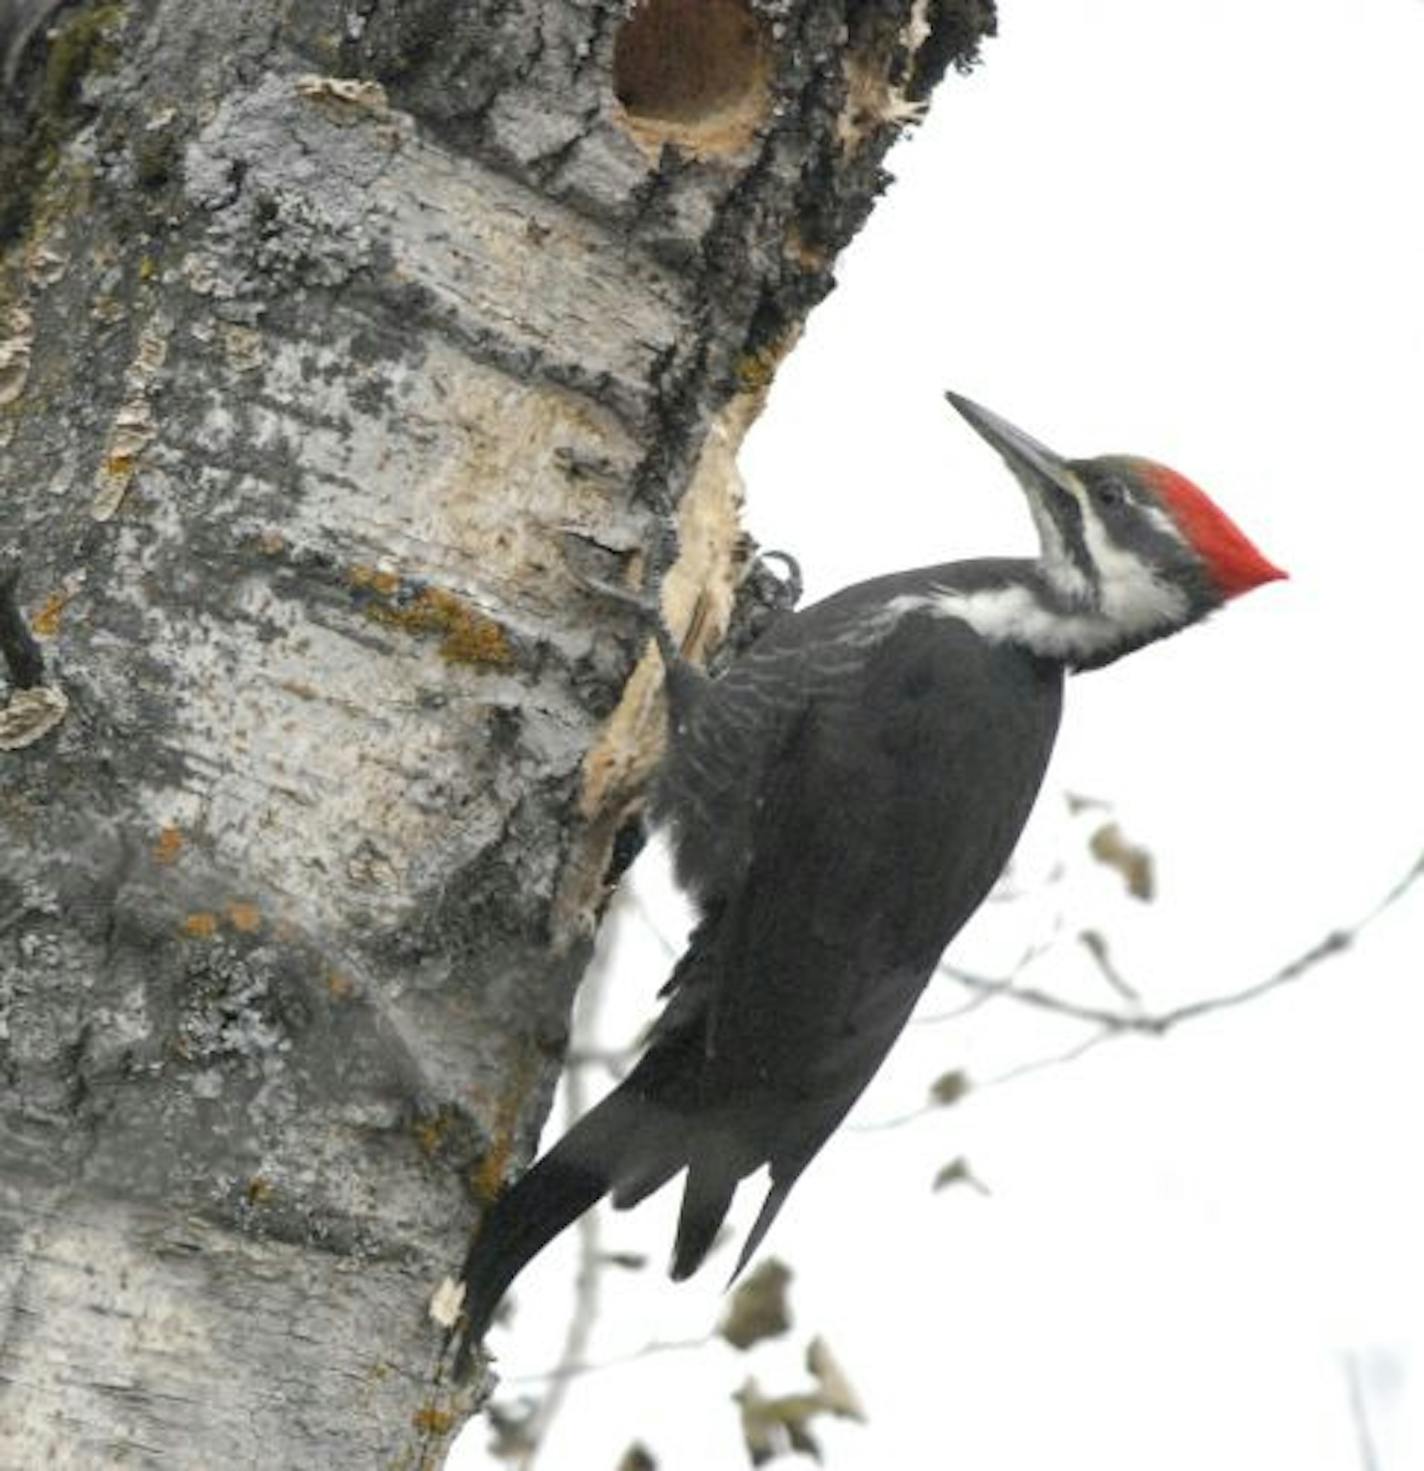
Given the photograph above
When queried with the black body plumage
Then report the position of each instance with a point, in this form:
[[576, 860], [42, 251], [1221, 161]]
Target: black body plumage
[[839, 803]]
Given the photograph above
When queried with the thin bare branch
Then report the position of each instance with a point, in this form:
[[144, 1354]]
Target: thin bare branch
[[1360, 1414], [1042, 1064], [590, 1264], [986, 988], [646, 913], [573, 1369], [1096, 944], [1112, 1024], [1157, 1023]]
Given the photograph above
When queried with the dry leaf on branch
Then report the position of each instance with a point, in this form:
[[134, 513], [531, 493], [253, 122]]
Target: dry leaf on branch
[[773, 1426], [759, 1307], [949, 1087], [957, 1172], [1131, 860]]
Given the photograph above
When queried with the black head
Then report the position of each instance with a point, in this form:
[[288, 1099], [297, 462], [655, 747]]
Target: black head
[[1129, 550]]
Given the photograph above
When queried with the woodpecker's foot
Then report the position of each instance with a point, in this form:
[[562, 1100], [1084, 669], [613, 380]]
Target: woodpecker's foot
[[764, 594], [644, 605], [790, 585]]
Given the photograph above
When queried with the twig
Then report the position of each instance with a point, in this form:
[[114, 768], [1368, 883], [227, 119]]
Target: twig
[[1042, 1064], [590, 1263], [1102, 1016], [983, 994], [1360, 1414], [572, 1369], [654, 925], [1157, 1023], [1113, 1024], [986, 988], [1095, 943]]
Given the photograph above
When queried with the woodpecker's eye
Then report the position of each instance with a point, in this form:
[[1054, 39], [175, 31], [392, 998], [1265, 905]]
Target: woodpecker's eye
[[1109, 493]]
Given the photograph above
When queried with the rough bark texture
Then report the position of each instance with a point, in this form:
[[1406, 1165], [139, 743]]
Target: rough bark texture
[[320, 326]]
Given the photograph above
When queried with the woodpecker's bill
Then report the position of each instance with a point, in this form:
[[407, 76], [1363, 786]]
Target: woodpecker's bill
[[839, 803]]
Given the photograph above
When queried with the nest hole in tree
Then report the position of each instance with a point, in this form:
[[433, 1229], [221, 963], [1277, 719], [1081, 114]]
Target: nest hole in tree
[[695, 72]]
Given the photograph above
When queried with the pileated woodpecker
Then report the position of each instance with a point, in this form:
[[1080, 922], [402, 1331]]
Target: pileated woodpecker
[[839, 804]]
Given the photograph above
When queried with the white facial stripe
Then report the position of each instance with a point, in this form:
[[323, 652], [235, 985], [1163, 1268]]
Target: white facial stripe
[[1130, 596], [1013, 614], [1119, 605], [1058, 566]]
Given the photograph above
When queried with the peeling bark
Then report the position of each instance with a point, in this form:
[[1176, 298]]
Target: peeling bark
[[328, 334]]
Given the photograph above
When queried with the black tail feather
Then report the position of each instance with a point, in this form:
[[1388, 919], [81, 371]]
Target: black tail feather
[[634, 1141], [515, 1228], [560, 1187], [775, 1199], [711, 1183], [636, 1184], [629, 1143]]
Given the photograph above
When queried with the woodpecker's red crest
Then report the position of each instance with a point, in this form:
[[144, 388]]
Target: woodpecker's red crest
[[1235, 563]]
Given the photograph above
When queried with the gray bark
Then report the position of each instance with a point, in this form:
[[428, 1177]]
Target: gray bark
[[320, 327]]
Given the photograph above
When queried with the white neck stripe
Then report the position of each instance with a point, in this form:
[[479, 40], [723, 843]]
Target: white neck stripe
[[1015, 614]]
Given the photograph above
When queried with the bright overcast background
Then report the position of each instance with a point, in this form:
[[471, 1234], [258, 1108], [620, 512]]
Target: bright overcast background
[[1192, 229]]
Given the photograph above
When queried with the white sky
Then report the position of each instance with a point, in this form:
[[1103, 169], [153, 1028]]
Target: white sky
[[1192, 229]]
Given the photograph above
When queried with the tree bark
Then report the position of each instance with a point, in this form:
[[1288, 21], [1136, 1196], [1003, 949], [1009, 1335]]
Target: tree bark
[[335, 340]]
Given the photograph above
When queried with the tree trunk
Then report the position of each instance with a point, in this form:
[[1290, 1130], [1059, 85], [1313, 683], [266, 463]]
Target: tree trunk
[[335, 339]]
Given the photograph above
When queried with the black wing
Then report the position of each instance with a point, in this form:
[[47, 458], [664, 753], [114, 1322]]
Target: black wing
[[882, 822], [881, 787]]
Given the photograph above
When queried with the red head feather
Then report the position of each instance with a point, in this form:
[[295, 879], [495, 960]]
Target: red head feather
[[1232, 560]]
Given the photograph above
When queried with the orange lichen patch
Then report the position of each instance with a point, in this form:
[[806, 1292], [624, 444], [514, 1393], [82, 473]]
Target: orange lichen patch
[[168, 846], [46, 621], [271, 543], [340, 987], [244, 916], [489, 1175], [809, 257], [259, 1190], [430, 1420], [378, 579], [467, 636], [756, 369], [478, 641], [429, 1132], [696, 73], [201, 925]]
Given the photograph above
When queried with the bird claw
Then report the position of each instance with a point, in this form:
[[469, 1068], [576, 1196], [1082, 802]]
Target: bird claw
[[647, 608], [791, 579], [626, 597]]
